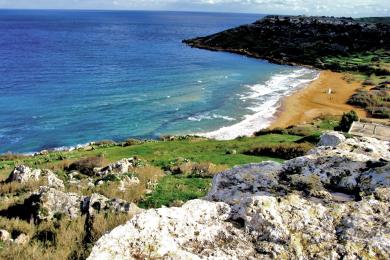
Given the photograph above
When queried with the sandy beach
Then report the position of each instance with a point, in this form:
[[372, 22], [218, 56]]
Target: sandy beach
[[314, 100]]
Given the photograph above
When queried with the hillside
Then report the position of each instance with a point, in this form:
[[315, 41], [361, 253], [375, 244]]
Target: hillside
[[332, 203], [322, 42]]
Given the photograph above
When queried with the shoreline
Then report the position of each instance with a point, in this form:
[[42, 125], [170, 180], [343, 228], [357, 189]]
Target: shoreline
[[269, 93], [302, 104], [313, 100], [263, 117]]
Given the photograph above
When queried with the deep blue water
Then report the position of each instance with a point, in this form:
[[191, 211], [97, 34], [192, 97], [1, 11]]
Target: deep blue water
[[69, 77]]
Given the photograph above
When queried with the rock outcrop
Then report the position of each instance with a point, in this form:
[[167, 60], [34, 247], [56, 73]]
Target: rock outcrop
[[120, 167], [48, 203], [20, 239], [330, 204], [331, 139], [23, 174], [302, 40]]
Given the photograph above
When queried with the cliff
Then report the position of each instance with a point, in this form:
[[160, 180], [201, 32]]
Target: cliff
[[300, 40]]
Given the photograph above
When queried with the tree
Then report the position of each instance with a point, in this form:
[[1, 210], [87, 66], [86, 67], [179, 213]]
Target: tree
[[347, 120]]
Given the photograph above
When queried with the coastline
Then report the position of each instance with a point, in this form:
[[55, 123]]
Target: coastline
[[312, 101], [264, 99], [307, 100]]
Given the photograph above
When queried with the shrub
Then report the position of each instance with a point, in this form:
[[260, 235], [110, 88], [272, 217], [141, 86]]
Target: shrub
[[205, 170], [131, 142], [380, 112], [291, 130], [192, 169], [267, 131], [105, 143], [300, 130], [283, 150], [376, 101], [86, 166], [347, 120]]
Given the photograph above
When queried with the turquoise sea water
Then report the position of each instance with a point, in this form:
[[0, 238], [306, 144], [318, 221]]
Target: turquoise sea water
[[70, 77]]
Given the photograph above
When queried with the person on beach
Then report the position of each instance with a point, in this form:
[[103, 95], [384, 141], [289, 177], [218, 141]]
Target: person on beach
[[330, 93]]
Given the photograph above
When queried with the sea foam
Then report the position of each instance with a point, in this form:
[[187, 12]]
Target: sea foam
[[264, 100]]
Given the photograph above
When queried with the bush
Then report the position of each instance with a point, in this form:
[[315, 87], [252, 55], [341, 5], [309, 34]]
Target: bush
[[347, 120], [284, 151], [192, 169], [105, 143], [376, 101], [267, 131], [380, 112], [291, 130], [131, 142], [86, 166], [300, 130]]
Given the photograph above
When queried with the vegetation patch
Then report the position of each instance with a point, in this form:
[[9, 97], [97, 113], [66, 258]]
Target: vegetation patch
[[86, 166], [370, 62], [176, 188], [285, 151], [376, 101]]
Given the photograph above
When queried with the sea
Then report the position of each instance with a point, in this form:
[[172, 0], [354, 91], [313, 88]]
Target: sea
[[71, 77]]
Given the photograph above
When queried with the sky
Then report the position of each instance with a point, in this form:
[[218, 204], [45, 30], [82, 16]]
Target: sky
[[354, 8]]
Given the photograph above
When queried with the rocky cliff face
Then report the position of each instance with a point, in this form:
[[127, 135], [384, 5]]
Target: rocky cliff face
[[333, 203], [299, 40]]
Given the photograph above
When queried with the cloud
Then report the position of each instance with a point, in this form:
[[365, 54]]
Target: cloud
[[308, 7]]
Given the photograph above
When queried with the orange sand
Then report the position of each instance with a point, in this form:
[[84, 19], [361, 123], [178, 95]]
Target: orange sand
[[314, 100]]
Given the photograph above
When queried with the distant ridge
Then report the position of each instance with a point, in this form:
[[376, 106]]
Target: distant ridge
[[303, 40]]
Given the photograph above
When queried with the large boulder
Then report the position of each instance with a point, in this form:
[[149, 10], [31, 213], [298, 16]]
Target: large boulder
[[52, 180], [97, 202], [198, 229], [23, 174], [330, 204], [331, 139], [120, 167], [49, 203], [5, 236]]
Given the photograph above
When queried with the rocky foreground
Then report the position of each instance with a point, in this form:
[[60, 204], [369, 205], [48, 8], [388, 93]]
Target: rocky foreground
[[305, 41], [332, 203]]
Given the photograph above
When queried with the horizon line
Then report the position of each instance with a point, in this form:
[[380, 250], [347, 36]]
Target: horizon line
[[173, 11]]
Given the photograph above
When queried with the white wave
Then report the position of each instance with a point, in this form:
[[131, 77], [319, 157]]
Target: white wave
[[264, 100], [208, 116]]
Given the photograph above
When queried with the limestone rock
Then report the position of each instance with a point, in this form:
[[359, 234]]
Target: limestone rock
[[120, 167], [49, 202], [23, 173], [198, 229], [4, 235], [22, 239], [333, 203], [97, 203], [53, 181], [331, 139]]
